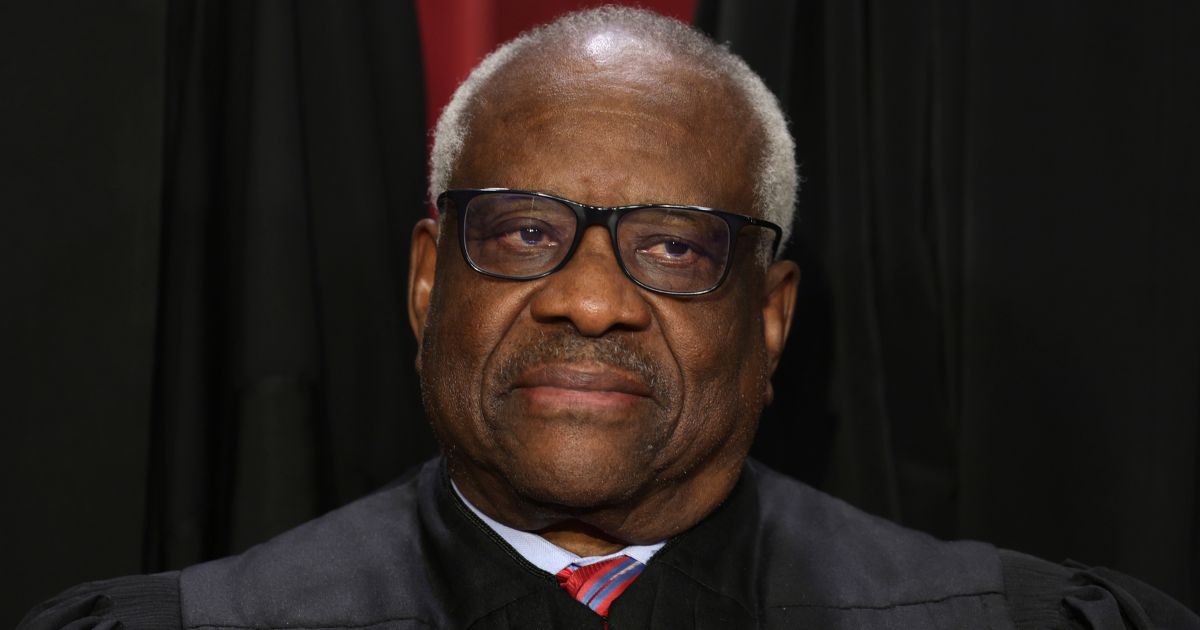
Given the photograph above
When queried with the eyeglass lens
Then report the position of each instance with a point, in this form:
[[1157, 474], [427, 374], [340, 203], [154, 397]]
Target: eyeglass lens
[[669, 249]]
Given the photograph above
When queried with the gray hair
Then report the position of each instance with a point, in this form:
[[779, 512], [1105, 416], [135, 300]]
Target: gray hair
[[776, 179]]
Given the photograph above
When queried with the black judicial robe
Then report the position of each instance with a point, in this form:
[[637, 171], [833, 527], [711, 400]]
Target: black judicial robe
[[776, 554]]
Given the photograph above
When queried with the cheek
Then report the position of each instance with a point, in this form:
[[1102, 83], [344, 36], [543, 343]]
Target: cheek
[[468, 316], [724, 363]]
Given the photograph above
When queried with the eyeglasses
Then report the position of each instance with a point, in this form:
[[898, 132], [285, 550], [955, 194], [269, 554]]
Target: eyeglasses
[[523, 235]]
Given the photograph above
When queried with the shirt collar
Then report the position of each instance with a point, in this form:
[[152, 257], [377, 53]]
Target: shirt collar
[[544, 554]]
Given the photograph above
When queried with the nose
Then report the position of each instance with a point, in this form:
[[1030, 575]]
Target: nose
[[591, 292]]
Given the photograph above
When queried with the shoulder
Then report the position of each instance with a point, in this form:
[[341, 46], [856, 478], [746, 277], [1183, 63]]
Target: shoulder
[[358, 565], [825, 559], [864, 561]]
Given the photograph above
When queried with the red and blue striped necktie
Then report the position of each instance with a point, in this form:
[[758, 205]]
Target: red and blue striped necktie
[[599, 584]]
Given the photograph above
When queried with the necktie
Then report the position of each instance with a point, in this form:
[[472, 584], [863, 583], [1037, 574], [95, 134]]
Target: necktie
[[599, 584]]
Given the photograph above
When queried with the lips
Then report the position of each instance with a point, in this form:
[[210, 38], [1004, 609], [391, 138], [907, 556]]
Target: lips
[[560, 374], [594, 379]]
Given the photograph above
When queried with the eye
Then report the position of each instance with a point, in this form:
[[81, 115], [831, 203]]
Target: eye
[[671, 250], [523, 233], [530, 235], [676, 248], [667, 248]]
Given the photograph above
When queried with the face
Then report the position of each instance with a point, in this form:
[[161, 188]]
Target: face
[[581, 395]]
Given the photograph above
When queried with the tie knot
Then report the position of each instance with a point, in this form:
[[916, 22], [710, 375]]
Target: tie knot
[[598, 584]]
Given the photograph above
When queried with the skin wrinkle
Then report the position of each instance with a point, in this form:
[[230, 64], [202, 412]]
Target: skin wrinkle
[[592, 478], [550, 116], [672, 89], [608, 178]]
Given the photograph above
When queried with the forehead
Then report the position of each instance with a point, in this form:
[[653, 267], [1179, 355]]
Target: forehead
[[610, 120]]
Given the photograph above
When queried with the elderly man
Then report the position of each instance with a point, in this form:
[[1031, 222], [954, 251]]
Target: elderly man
[[597, 341]]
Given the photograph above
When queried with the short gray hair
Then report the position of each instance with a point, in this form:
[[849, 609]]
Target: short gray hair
[[776, 180]]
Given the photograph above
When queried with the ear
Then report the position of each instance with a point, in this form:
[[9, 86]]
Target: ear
[[779, 301], [422, 266]]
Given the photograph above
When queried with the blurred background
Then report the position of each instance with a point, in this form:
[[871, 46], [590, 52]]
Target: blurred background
[[205, 209]]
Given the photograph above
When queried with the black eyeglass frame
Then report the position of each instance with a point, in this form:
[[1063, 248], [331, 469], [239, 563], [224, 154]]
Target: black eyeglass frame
[[586, 216]]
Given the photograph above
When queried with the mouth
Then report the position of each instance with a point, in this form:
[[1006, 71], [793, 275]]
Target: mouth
[[576, 385]]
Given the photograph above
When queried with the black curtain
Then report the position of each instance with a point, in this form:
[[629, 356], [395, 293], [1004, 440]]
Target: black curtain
[[206, 215], [80, 143], [294, 171], [1000, 229]]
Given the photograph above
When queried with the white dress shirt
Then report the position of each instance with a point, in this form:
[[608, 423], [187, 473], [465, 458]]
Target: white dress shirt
[[547, 556]]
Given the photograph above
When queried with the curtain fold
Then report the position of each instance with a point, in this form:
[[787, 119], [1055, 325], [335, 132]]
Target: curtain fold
[[294, 171]]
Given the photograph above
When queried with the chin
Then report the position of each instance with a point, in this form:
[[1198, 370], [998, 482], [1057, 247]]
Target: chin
[[576, 460], [575, 479]]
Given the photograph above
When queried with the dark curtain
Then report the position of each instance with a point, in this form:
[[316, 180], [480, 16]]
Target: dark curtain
[[294, 171], [80, 140], [1000, 229]]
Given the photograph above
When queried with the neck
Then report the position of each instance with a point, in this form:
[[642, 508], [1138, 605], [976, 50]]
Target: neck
[[581, 539], [660, 514]]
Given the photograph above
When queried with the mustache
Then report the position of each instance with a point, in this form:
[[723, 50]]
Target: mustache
[[566, 346]]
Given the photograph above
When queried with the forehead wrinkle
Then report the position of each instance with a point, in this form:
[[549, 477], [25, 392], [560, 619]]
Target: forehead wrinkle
[[716, 157], [547, 118]]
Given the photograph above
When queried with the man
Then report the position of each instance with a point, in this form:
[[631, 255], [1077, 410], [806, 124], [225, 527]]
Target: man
[[596, 344]]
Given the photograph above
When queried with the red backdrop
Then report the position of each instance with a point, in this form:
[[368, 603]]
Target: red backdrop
[[456, 34]]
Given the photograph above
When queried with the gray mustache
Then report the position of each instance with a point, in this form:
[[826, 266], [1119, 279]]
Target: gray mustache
[[566, 346]]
